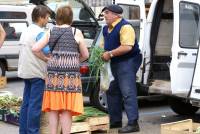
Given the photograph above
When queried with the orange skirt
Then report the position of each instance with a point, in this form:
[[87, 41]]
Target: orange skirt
[[60, 101]]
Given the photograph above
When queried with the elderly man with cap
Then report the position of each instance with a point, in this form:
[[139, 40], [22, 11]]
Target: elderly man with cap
[[122, 50]]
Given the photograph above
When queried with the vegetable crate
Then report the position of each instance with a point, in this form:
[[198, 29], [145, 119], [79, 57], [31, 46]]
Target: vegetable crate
[[3, 82], [98, 123], [91, 124], [80, 128], [77, 127], [180, 127]]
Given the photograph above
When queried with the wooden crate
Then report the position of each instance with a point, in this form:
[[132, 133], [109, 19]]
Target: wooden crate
[[180, 127], [3, 82], [77, 127], [98, 123], [80, 128], [86, 127]]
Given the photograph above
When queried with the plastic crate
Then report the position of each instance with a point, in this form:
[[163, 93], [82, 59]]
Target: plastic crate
[[2, 114], [12, 119]]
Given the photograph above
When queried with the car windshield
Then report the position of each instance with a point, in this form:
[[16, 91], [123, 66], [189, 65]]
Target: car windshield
[[80, 13]]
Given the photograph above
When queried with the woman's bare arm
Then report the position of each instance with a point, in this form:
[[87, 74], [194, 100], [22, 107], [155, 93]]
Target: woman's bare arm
[[41, 43], [84, 54]]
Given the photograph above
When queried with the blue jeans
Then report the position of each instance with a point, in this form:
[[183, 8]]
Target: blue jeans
[[31, 106], [123, 90]]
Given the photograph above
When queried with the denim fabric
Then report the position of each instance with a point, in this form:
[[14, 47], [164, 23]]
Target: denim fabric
[[31, 106], [123, 90]]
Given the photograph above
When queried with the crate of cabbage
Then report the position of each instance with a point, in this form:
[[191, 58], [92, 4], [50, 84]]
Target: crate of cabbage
[[181, 127], [96, 119]]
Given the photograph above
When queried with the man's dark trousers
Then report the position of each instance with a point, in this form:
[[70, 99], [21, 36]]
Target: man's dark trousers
[[123, 90]]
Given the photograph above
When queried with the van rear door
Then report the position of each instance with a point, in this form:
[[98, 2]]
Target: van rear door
[[185, 44], [195, 89], [134, 12]]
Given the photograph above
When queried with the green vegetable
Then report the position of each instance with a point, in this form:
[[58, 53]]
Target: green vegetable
[[96, 62], [11, 104], [88, 112]]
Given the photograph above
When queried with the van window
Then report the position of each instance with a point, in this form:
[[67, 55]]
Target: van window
[[189, 25], [13, 30], [12, 15], [132, 14]]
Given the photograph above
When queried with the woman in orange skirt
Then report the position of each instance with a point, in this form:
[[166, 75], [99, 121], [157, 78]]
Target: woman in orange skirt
[[63, 93]]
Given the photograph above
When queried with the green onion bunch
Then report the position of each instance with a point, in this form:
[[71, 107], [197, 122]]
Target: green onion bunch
[[96, 62]]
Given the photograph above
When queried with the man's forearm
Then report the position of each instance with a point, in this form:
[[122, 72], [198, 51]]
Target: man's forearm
[[121, 50]]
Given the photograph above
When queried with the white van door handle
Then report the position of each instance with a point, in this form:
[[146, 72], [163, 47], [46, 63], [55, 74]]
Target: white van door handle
[[181, 53]]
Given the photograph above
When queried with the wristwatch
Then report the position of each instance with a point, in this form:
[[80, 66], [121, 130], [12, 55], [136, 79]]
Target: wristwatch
[[110, 53]]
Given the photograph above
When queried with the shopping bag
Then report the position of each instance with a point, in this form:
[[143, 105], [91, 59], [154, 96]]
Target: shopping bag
[[105, 76]]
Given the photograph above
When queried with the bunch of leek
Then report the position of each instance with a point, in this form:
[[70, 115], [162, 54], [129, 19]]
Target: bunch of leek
[[88, 112], [96, 62]]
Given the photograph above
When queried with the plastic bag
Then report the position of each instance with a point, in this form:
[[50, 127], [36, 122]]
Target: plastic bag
[[106, 77]]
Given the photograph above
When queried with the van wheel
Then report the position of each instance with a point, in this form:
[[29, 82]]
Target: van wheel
[[181, 107], [2, 69], [98, 99]]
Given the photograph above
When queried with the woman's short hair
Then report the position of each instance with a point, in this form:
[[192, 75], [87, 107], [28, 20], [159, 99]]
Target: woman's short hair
[[40, 11], [64, 15]]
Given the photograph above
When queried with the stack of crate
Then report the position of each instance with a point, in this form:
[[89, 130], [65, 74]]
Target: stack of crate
[[86, 127]]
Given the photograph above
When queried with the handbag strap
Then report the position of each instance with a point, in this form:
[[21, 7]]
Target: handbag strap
[[55, 42]]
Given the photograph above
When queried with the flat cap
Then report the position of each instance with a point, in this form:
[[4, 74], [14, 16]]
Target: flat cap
[[113, 8]]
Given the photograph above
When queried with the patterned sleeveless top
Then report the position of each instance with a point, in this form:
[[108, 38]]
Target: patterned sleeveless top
[[64, 65]]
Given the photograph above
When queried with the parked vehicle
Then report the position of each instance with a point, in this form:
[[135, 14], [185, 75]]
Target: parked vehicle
[[15, 17], [169, 40]]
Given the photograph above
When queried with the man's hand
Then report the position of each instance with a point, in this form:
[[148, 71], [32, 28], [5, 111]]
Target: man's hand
[[106, 56]]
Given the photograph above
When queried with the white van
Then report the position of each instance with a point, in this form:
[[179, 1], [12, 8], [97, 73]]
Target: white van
[[169, 39], [14, 19]]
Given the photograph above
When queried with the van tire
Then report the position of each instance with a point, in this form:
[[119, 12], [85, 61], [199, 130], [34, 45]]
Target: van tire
[[98, 99], [181, 107], [2, 69]]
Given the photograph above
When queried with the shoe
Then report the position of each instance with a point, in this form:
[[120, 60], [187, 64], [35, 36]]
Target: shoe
[[129, 129], [116, 124]]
